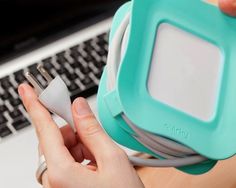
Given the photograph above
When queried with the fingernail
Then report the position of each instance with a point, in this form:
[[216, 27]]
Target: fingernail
[[21, 90], [83, 108]]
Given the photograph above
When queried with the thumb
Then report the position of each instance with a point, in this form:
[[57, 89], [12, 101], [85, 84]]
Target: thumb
[[228, 6], [91, 133]]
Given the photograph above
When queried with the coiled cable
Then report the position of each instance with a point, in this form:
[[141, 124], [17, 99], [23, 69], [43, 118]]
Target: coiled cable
[[174, 154]]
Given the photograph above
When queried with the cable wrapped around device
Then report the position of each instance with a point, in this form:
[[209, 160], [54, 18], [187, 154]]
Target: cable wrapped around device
[[174, 154]]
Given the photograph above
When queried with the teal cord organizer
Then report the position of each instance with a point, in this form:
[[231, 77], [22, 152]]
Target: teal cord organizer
[[168, 88]]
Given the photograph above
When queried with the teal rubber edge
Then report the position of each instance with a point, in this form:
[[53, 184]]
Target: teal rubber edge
[[215, 138], [116, 127], [121, 133]]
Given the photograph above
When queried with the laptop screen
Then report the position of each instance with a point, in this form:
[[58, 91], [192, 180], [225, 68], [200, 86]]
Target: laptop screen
[[26, 23]]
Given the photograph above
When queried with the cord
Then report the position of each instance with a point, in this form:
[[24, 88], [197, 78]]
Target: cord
[[174, 154]]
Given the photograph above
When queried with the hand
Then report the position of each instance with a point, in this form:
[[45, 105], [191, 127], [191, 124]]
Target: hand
[[228, 7], [64, 150]]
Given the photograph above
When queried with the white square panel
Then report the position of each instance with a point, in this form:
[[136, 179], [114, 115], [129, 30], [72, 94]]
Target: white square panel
[[185, 72]]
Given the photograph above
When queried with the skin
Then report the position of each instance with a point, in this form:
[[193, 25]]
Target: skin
[[228, 7], [109, 166], [64, 150]]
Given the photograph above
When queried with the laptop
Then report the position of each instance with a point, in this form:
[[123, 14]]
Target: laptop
[[70, 38]]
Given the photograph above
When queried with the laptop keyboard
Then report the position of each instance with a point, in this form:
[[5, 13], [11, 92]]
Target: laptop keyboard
[[80, 67]]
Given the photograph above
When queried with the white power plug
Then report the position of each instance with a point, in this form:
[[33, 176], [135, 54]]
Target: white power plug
[[55, 97]]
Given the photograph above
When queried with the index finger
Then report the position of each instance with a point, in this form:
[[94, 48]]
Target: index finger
[[49, 135]]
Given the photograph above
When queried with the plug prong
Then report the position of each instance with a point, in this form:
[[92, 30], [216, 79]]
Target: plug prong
[[44, 73], [37, 86]]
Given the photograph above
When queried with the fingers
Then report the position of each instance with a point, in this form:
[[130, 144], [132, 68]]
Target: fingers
[[45, 180], [228, 7], [73, 144], [69, 136], [91, 167], [50, 138], [91, 133], [80, 152]]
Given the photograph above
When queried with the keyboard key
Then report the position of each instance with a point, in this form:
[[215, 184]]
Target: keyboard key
[[85, 70], [76, 65], [89, 58], [98, 75], [61, 57], [87, 80], [89, 91], [99, 64], [2, 119], [101, 42], [75, 54], [15, 114], [47, 60], [74, 48], [33, 69], [47, 64], [73, 86], [16, 90], [85, 58], [88, 42], [101, 36], [20, 123], [88, 48], [5, 83], [19, 76], [102, 52], [71, 76], [15, 102], [61, 70], [93, 68], [4, 130], [6, 95], [61, 54], [3, 108]]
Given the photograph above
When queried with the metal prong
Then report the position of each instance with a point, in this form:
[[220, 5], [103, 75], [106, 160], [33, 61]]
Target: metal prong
[[44, 73], [37, 86]]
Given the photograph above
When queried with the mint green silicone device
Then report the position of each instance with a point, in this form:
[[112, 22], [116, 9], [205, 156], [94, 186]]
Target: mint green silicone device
[[213, 138]]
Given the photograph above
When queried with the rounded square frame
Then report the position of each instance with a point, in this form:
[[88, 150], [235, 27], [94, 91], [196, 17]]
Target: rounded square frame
[[214, 139]]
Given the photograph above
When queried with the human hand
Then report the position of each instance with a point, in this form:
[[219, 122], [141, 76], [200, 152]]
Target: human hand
[[64, 150], [228, 6]]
